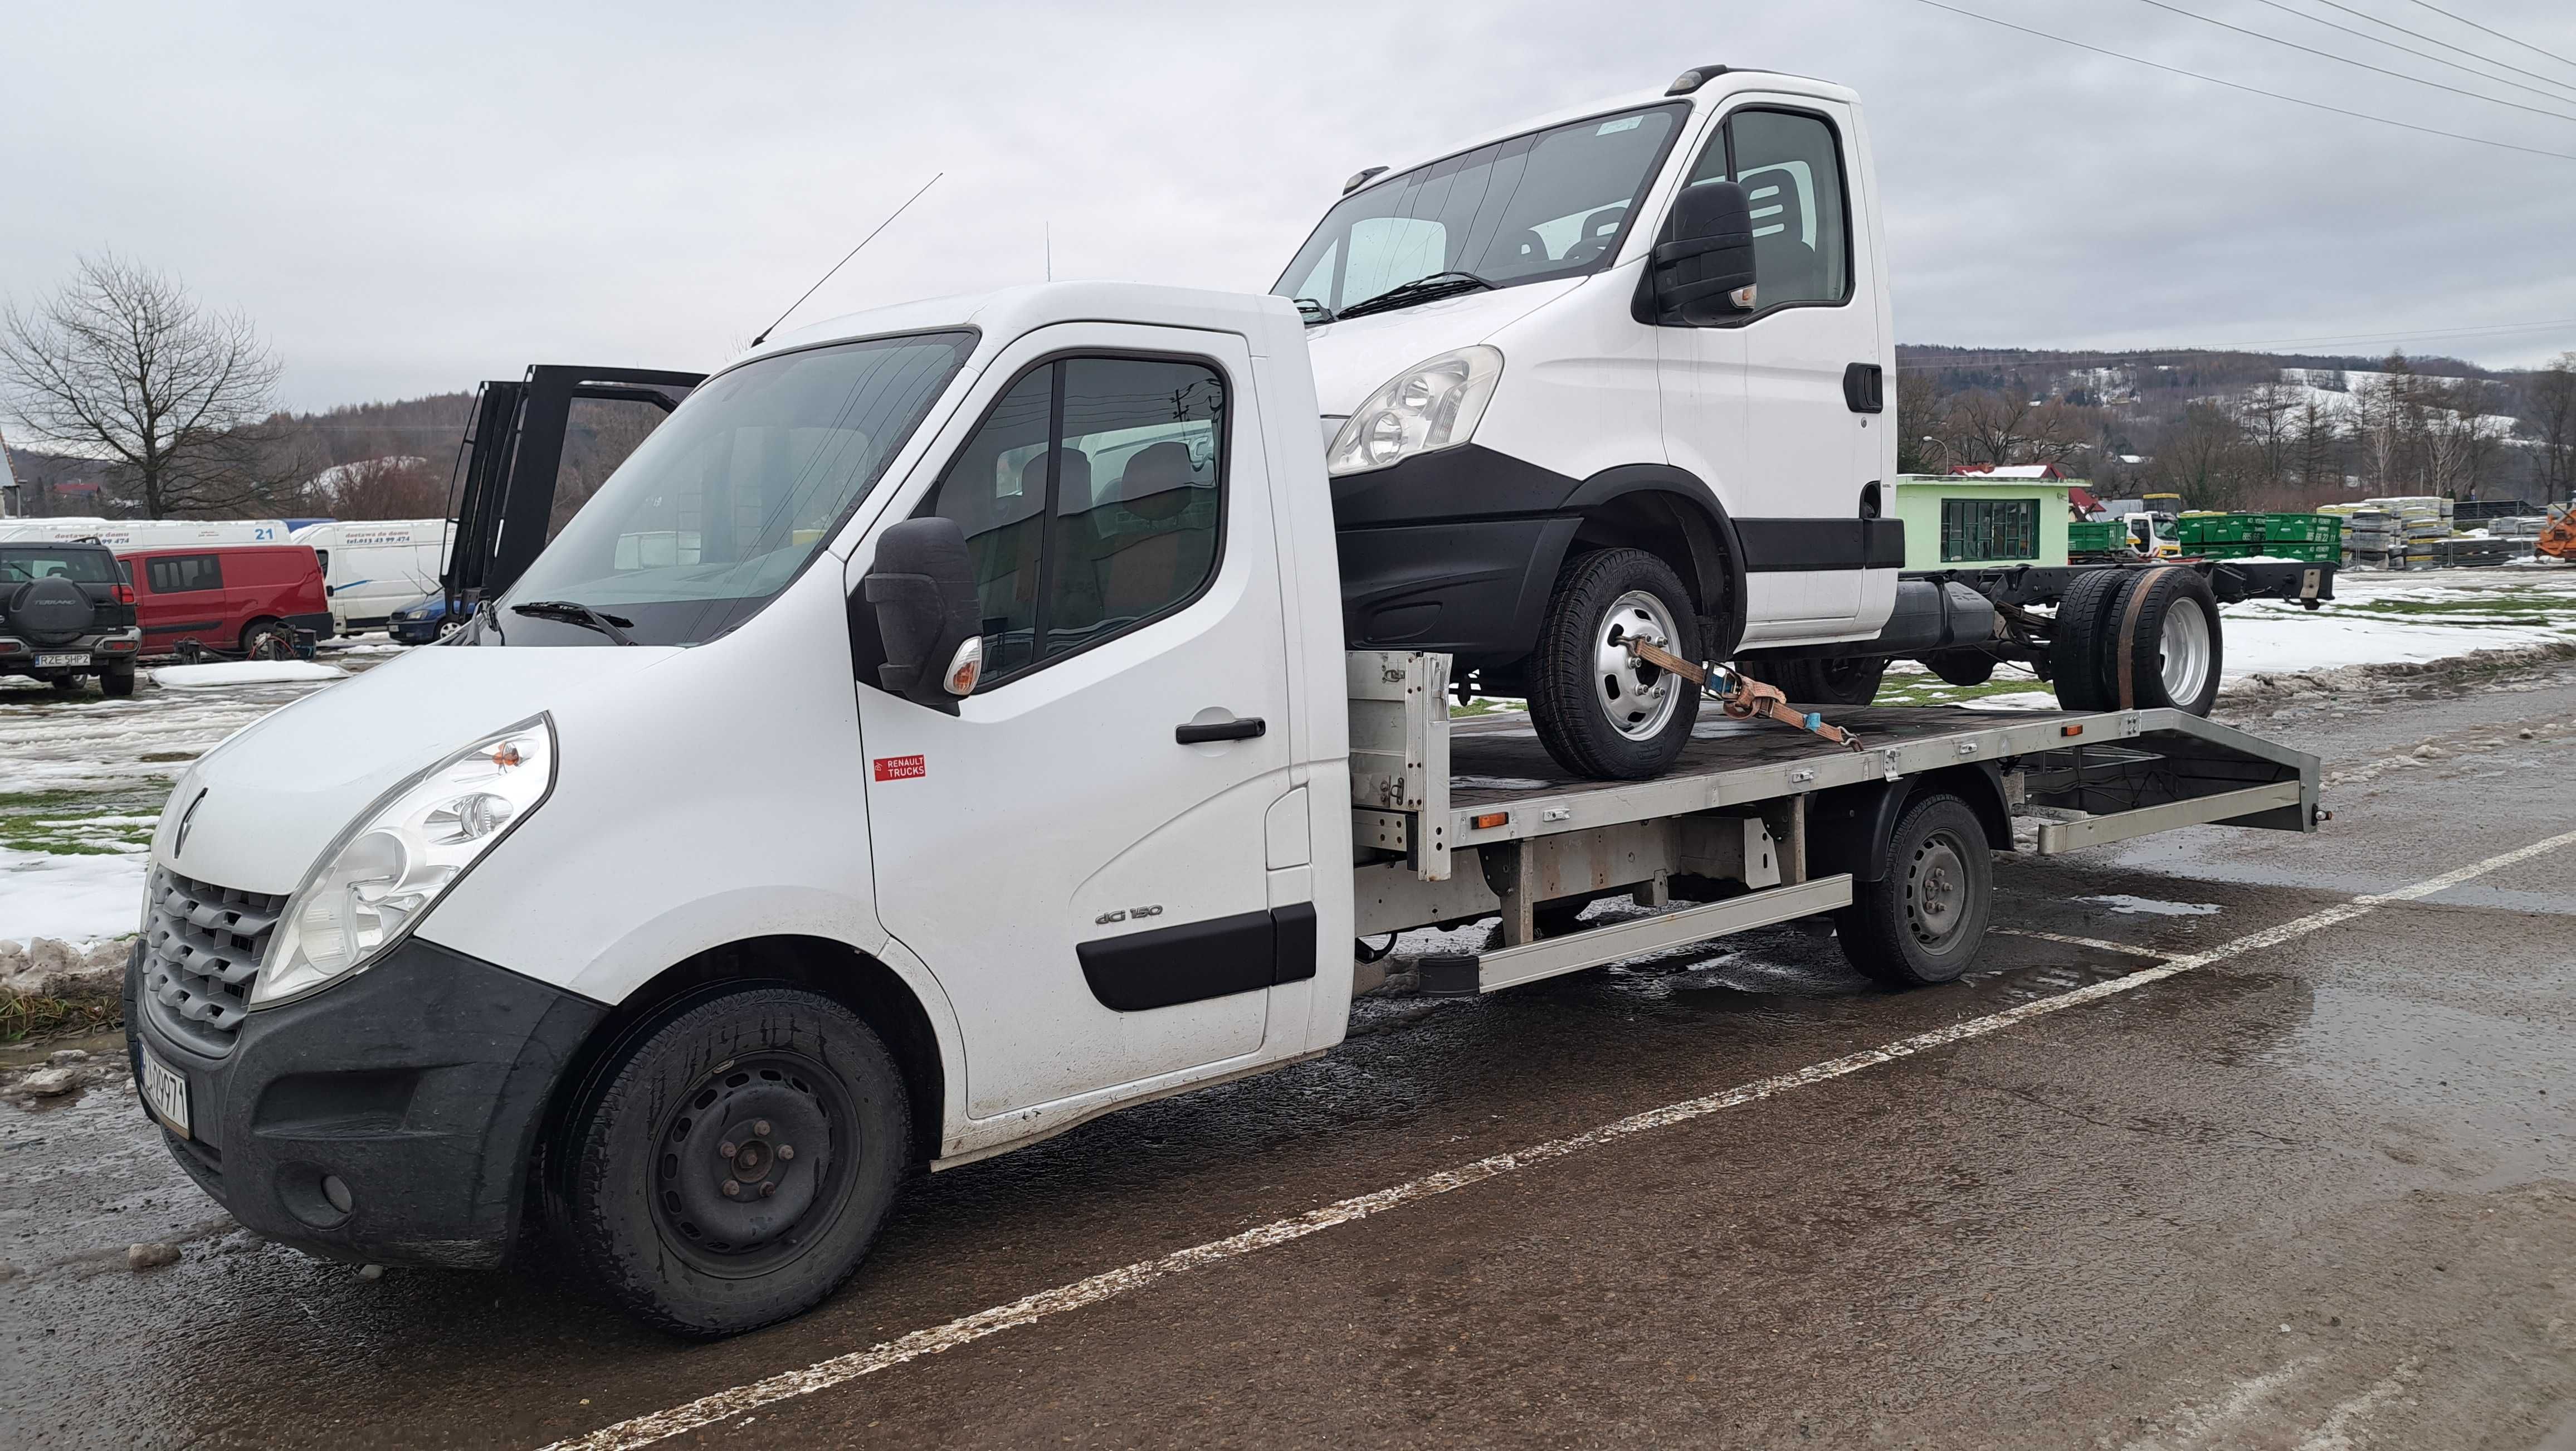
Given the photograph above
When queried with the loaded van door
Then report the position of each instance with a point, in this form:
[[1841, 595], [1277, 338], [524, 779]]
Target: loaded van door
[[1078, 855], [1793, 451]]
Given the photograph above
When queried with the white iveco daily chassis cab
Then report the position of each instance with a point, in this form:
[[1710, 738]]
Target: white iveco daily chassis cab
[[941, 731]]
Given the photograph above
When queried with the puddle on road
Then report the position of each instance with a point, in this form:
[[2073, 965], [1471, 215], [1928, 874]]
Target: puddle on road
[[2128, 906]]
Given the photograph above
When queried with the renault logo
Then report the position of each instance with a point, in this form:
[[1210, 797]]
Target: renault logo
[[179, 843]]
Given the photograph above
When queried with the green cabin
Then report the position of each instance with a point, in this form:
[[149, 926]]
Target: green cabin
[[1964, 521]]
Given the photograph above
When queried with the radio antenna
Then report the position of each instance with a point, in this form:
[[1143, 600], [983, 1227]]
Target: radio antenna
[[845, 261]]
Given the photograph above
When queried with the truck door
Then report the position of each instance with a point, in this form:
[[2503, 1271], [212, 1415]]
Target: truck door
[[1078, 854], [1759, 404]]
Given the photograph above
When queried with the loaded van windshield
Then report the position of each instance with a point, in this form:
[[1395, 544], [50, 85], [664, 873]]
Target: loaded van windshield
[[1553, 203], [727, 501]]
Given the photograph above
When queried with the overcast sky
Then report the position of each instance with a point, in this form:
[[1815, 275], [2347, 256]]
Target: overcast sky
[[409, 200]]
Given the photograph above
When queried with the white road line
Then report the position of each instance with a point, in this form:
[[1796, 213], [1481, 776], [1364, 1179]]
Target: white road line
[[2096, 943], [1108, 1285], [2336, 1434]]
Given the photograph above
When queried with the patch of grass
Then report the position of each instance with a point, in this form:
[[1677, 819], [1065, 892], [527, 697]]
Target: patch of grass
[[66, 823], [23, 1018], [165, 757], [1485, 705], [1928, 689]]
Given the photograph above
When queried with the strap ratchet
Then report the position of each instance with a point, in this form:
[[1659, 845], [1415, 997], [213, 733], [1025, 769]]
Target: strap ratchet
[[1741, 696]]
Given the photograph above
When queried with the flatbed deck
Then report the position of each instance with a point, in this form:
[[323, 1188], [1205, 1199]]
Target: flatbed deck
[[1460, 820]]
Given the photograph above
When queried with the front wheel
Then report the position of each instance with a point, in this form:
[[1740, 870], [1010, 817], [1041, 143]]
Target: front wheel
[[737, 1164], [1599, 710]]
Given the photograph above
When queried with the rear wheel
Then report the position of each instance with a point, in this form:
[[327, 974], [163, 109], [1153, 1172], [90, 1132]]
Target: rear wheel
[[267, 640], [1600, 711], [1925, 917], [737, 1164], [2164, 646], [117, 680], [2078, 646]]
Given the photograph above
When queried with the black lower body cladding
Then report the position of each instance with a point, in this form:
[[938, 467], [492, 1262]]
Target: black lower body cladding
[[389, 1118]]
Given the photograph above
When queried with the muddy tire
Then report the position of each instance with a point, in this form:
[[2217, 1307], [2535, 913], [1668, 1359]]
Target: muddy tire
[[786, 1096], [2079, 652], [1924, 919], [2164, 647], [117, 681], [1598, 711]]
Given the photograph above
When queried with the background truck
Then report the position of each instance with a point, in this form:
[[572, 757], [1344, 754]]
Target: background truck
[[940, 733]]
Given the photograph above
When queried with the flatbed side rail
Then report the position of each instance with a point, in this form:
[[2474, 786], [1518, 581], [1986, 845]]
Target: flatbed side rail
[[1399, 708]]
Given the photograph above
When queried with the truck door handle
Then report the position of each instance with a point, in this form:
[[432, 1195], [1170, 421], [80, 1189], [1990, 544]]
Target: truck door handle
[[1221, 730], [1865, 388]]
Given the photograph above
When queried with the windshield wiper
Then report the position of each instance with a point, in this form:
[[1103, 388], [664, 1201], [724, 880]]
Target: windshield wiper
[[1420, 289], [1314, 312], [572, 612]]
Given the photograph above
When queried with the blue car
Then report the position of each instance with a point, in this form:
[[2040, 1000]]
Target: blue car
[[420, 622]]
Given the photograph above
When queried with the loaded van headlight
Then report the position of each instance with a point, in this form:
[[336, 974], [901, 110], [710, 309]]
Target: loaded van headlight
[[1434, 404], [382, 875]]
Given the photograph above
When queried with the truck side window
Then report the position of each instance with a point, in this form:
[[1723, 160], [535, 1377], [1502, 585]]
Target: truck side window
[[1090, 497], [179, 573], [1790, 166]]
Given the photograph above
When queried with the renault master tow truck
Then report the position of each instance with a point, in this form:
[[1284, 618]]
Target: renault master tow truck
[[946, 728]]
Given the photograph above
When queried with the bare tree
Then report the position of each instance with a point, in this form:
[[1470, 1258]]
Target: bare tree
[[2269, 413], [1984, 426], [123, 364], [2550, 415], [398, 486], [2317, 446], [1919, 449], [2205, 457]]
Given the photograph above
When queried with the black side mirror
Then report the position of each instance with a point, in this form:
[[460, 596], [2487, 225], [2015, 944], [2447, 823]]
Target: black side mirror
[[1702, 272], [923, 587]]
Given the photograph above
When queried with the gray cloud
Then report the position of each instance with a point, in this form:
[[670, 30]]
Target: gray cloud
[[409, 201]]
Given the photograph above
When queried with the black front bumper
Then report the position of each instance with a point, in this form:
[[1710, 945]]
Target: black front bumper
[[420, 1085], [1455, 551]]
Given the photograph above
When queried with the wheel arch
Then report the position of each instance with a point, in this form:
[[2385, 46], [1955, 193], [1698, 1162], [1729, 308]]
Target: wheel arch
[[858, 981], [1673, 515], [1848, 828]]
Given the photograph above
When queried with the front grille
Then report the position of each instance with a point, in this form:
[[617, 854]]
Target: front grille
[[199, 954]]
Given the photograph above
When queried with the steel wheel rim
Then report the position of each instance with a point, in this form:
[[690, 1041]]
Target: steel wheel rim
[[1936, 891], [2184, 643], [1636, 698], [757, 1106]]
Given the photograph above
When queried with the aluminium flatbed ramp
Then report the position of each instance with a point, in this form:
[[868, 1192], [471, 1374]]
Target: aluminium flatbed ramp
[[1473, 818]]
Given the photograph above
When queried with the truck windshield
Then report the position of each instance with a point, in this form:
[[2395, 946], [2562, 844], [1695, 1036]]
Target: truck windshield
[[725, 503], [1549, 204]]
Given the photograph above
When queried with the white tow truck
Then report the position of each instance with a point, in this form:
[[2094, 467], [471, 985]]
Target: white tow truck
[[940, 732]]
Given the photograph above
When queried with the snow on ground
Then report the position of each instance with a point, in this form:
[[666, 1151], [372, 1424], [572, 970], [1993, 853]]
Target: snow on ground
[[229, 673], [83, 779]]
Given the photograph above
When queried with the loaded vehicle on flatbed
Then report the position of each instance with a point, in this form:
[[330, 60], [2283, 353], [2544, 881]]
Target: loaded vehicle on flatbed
[[942, 731]]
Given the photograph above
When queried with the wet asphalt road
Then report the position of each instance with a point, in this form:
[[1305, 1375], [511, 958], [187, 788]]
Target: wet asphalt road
[[2320, 1194]]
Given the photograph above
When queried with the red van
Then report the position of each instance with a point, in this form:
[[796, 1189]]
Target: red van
[[235, 598]]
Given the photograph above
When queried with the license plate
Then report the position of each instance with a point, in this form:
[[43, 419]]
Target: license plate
[[165, 1092], [68, 657]]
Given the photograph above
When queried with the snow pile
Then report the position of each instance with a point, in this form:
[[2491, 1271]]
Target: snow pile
[[244, 672]]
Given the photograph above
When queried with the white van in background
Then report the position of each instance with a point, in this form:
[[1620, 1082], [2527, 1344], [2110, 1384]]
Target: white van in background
[[151, 533], [376, 566]]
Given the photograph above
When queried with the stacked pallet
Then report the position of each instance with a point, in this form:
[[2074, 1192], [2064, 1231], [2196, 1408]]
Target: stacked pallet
[[2374, 538]]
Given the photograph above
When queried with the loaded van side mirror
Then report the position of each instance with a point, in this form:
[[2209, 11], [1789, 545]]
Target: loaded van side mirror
[[1702, 272], [922, 586]]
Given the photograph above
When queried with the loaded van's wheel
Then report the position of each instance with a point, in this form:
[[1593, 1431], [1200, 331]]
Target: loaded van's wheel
[[1826, 682], [117, 680], [1599, 710], [735, 1165], [268, 640], [1922, 921], [2078, 646], [2164, 643]]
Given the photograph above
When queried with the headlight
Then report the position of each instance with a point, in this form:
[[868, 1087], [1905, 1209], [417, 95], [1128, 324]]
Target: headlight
[[376, 881], [1434, 404]]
